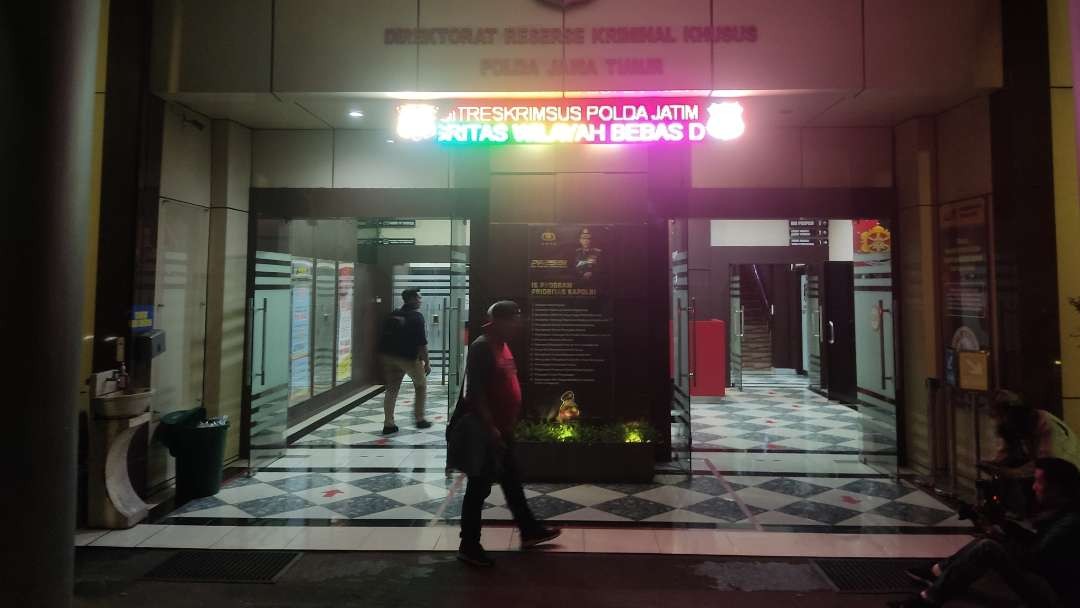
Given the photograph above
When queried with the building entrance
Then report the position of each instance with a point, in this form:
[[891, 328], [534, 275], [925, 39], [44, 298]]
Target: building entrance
[[806, 359], [320, 291], [768, 454]]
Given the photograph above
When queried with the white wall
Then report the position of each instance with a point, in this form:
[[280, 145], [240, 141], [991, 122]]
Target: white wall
[[847, 158], [345, 159], [338, 45], [963, 151], [210, 45], [230, 182], [763, 158], [292, 159], [802, 44], [931, 44], [427, 232], [185, 156], [841, 245], [373, 159], [789, 157], [749, 233]]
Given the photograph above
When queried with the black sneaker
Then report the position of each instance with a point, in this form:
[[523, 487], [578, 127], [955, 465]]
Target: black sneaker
[[423, 424], [539, 535], [474, 555], [389, 430], [923, 575]]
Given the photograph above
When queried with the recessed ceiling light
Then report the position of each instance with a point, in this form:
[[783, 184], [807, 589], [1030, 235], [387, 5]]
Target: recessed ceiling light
[[356, 114], [389, 141]]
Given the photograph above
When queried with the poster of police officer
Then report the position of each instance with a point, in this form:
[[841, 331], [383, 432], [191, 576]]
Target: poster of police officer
[[570, 353]]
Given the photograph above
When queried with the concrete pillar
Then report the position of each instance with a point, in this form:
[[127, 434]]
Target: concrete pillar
[[49, 59], [1063, 18], [916, 164], [230, 183]]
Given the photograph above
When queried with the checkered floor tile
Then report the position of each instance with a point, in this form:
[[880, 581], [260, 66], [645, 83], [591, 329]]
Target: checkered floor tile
[[774, 378], [783, 419], [759, 418], [420, 496], [765, 419], [362, 426]]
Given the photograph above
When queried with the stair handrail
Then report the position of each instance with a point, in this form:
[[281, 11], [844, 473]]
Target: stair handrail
[[764, 295]]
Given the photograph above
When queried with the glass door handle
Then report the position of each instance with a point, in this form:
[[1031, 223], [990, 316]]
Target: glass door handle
[[250, 316], [445, 344], [691, 319], [262, 352]]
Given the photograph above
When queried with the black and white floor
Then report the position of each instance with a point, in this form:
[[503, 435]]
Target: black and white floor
[[795, 420], [775, 472]]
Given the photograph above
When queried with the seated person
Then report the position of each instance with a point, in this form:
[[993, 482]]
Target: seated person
[[1027, 433], [1042, 567]]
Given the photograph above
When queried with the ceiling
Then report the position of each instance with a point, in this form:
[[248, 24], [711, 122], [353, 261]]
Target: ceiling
[[866, 108]]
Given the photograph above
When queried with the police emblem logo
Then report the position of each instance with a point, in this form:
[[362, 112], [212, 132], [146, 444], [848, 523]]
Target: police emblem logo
[[548, 236]]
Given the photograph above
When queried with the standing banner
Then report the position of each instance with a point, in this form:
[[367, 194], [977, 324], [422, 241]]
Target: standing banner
[[965, 281], [571, 351]]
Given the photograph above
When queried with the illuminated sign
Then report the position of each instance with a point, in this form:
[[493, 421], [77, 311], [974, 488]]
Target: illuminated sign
[[603, 121]]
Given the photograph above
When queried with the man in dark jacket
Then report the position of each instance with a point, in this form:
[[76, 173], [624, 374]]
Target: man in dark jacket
[[404, 351], [1042, 567], [493, 393]]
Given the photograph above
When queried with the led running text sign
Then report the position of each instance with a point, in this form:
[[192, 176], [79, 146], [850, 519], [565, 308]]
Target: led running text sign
[[604, 121]]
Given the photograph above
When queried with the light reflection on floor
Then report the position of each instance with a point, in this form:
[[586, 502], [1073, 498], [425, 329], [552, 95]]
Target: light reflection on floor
[[344, 486]]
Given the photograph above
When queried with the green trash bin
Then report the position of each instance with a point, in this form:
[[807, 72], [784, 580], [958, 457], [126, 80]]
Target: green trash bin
[[199, 452]]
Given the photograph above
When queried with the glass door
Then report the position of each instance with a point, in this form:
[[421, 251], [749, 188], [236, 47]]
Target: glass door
[[738, 327], [875, 343], [269, 310], [325, 326], [457, 334], [813, 326], [681, 332]]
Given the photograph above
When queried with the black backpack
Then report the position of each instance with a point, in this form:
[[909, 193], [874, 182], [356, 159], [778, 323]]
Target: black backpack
[[392, 335]]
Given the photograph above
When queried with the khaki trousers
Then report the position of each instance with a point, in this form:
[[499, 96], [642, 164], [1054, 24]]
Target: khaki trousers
[[394, 371]]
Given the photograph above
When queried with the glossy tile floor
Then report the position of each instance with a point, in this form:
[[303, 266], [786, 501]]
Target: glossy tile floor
[[345, 487], [775, 419], [362, 426], [773, 378]]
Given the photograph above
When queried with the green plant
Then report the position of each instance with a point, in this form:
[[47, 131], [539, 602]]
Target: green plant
[[585, 432]]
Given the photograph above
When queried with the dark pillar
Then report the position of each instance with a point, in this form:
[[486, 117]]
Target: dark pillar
[[47, 67], [130, 180], [1024, 237]]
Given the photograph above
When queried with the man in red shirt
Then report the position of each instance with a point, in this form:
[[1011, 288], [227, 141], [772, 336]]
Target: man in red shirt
[[494, 393]]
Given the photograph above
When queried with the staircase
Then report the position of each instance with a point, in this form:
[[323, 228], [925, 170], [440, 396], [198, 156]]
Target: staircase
[[757, 337]]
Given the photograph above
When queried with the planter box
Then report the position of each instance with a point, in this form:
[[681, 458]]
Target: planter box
[[578, 462]]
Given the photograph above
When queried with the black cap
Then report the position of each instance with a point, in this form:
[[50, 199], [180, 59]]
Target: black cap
[[503, 309]]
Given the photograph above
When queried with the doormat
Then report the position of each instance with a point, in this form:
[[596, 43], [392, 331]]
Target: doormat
[[224, 566], [870, 575]]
